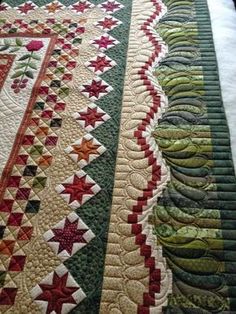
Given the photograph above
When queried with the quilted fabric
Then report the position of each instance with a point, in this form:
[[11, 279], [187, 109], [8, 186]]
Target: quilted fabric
[[117, 185]]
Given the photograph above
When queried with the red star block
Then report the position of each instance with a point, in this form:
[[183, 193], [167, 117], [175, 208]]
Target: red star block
[[3, 7], [77, 189], [104, 42], [111, 6], [57, 293], [100, 64], [91, 117], [81, 7], [26, 7], [95, 89], [107, 23], [69, 235]]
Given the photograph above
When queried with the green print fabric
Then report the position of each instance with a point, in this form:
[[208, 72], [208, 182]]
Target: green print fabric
[[195, 218]]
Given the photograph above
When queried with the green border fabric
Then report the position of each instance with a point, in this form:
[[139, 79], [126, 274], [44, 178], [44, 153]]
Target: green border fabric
[[195, 218]]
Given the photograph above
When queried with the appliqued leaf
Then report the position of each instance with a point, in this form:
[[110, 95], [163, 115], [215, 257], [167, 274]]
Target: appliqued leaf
[[20, 65], [4, 48], [29, 74], [24, 57], [7, 42], [19, 42], [14, 49], [36, 57], [32, 65], [17, 74]]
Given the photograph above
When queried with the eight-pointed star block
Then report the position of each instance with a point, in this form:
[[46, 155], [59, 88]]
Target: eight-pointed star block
[[26, 7], [110, 6], [100, 64], [95, 89], [91, 117], [68, 236], [81, 6], [108, 23], [104, 42], [85, 150], [4, 6], [78, 189], [53, 7], [58, 292]]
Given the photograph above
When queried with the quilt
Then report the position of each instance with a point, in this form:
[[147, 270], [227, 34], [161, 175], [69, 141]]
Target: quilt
[[117, 185]]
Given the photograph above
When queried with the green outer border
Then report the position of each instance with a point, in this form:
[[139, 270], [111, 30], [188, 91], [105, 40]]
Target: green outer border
[[224, 199], [226, 207]]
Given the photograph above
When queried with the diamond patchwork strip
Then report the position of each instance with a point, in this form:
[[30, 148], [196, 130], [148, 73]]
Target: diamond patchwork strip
[[26, 177], [85, 150], [58, 292], [91, 117], [78, 189], [100, 64], [68, 236]]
